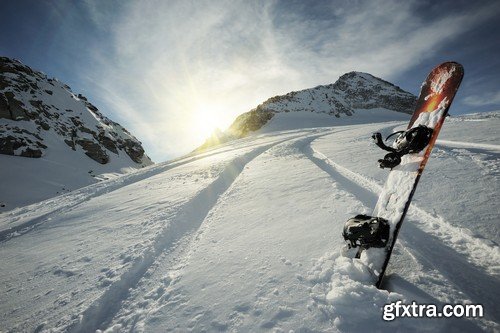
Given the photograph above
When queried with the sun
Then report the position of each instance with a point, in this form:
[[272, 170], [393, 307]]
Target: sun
[[207, 119]]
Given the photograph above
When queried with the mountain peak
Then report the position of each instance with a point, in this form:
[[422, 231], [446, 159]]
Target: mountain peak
[[354, 74], [34, 108], [365, 79], [68, 141], [352, 93]]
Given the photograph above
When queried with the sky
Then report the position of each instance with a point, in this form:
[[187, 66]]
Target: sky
[[173, 71]]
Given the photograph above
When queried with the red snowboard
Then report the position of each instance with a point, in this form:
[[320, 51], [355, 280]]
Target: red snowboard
[[435, 99]]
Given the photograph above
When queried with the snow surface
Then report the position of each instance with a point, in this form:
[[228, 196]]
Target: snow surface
[[247, 237], [303, 119], [60, 170]]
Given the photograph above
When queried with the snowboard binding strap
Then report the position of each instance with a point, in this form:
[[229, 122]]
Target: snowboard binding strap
[[410, 141], [366, 231]]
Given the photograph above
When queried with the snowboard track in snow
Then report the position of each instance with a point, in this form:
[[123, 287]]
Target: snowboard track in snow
[[484, 255], [59, 204], [51, 207], [461, 271], [480, 147], [179, 257], [189, 219]]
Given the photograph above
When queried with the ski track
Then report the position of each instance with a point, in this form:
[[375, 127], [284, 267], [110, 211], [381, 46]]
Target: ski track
[[484, 255], [433, 235], [48, 208], [188, 219], [71, 200], [466, 277], [476, 146], [179, 254], [486, 159], [185, 225]]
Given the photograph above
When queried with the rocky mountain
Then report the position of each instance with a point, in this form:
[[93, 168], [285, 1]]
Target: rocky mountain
[[72, 142], [350, 95], [33, 107]]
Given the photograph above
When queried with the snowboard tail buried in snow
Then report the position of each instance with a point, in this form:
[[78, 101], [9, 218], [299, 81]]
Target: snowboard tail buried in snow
[[407, 159]]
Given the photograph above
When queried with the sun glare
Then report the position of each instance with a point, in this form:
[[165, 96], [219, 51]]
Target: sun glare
[[208, 119]]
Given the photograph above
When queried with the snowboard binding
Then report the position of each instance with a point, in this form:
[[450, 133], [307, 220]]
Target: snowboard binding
[[366, 231], [410, 141]]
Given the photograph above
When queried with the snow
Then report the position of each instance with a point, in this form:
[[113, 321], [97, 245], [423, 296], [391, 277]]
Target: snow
[[60, 169], [440, 80], [247, 237], [302, 119]]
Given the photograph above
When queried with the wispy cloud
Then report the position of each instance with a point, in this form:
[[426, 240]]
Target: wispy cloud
[[169, 64], [488, 98]]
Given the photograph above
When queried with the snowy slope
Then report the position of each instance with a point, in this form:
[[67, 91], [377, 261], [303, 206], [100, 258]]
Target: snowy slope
[[53, 141], [246, 237], [352, 91], [355, 98]]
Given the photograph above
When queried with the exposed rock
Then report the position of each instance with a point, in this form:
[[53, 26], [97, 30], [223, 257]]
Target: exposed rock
[[73, 120], [9, 144], [250, 121], [365, 91], [70, 143], [22, 144], [93, 150], [351, 91], [108, 143], [15, 107], [29, 152], [44, 125], [134, 150], [4, 107]]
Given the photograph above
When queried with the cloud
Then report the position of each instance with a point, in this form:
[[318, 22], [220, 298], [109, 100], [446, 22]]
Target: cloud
[[167, 64], [489, 98], [380, 37]]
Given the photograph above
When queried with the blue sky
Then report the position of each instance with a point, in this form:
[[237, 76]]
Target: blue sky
[[171, 71]]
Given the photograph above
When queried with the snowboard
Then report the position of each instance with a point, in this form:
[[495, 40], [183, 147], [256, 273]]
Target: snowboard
[[435, 98]]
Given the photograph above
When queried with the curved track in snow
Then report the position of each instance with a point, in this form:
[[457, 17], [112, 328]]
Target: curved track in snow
[[461, 144], [188, 220], [486, 256], [25, 219]]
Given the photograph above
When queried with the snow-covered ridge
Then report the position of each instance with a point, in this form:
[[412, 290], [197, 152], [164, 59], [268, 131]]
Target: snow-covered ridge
[[36, 109], [351, 93], [68, 141]]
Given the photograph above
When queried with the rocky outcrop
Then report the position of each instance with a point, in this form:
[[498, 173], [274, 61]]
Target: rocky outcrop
[[34, 108], [93, 150], [21, 142], [365, 91], [251, 121]]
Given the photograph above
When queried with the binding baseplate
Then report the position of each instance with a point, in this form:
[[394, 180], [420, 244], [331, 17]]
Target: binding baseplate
[[410, 141], [366, 231]]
